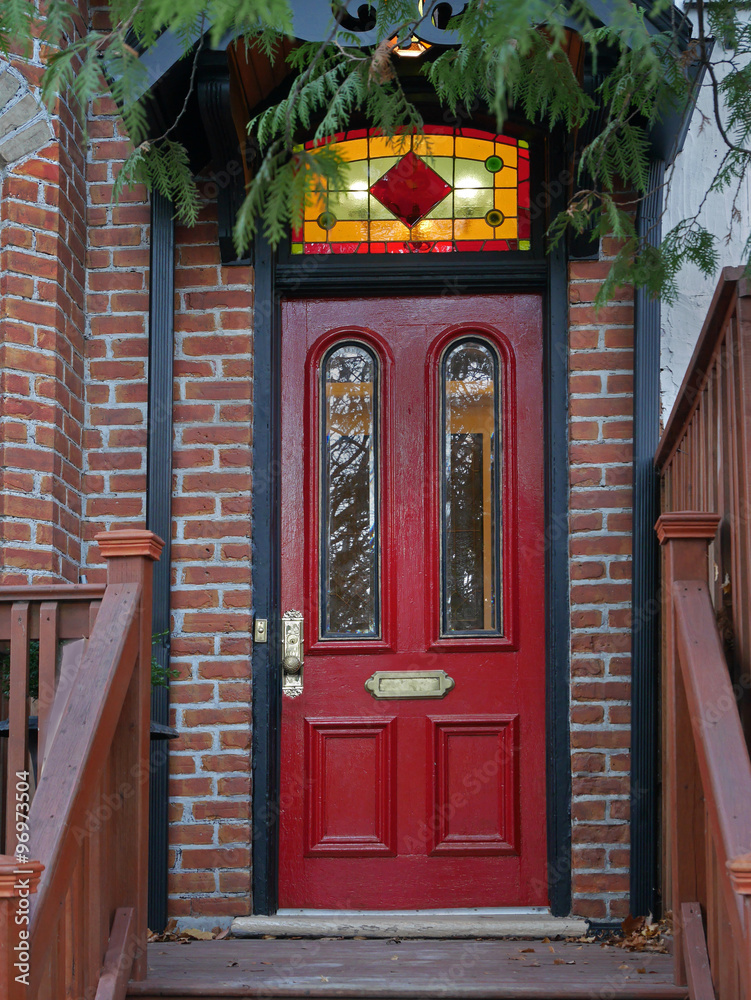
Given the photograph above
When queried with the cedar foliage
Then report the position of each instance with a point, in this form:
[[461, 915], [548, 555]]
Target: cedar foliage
[[510, 56]]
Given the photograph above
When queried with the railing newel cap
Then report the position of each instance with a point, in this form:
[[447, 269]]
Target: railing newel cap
[[14, 875], [739, 870], [129, 542], [687, 524]]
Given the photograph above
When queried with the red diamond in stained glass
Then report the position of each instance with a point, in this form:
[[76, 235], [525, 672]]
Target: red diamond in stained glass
[[410, 189]]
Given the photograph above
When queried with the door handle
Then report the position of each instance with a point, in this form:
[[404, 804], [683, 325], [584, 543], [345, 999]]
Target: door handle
[[292, 653]]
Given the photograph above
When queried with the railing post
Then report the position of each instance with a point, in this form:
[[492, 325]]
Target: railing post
[[129, 554], [739, 870], [18, 879], [686, 536]]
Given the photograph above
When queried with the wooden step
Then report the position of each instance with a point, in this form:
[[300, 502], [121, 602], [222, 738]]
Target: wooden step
[[406, 970]]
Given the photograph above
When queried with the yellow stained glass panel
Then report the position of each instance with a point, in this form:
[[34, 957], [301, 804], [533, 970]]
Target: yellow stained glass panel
[[474, 229], [382, 146], [433, 229], [507, 154], [508, 230], [506, 178], [388, 231], [434, 145], [505, 201], [349, 232], [473, 149], [312, 233], [314, 208], [354, 149]]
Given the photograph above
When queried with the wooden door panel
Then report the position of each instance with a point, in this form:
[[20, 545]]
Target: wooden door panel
[[415, 803], [344, 817], [475, 786]]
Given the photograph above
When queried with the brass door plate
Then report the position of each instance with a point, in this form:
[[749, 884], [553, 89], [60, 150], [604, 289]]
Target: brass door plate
[[409, 684], [292, 651]]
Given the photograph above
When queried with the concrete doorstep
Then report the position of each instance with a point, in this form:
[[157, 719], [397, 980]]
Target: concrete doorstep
[[417, 924]]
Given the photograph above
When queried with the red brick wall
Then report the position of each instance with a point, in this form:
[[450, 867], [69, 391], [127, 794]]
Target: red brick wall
[[210, 786], [209, 763], [42, 242], [601, 383]]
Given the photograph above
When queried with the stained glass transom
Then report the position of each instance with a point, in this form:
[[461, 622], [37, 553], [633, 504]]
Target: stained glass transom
[[449, 190]]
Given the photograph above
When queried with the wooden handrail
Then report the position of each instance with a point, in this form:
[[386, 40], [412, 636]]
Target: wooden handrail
[[708, 773], [57, 820], [88, 822], [720, 748]]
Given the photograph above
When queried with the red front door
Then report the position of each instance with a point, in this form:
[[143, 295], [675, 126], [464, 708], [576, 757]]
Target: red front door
[[413, 734]]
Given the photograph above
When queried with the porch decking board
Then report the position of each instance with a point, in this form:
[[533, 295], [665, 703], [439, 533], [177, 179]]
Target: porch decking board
[[418, 970]]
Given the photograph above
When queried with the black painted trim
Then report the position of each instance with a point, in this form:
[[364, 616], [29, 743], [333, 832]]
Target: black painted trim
[[409, 274], [557, 566], [159, 520], [265, 576], [227, 175], [419, 275], [645, 618]]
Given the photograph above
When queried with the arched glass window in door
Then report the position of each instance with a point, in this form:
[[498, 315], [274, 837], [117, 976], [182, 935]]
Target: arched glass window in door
[[349, 562], [470, 453], [451, 190]]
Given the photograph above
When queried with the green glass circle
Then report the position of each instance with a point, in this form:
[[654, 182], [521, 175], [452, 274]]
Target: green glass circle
[[326, 220], [494, 217], [493, 164]]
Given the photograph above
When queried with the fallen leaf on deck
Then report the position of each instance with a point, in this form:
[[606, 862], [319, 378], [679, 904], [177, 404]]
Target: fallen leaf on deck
[[632, 924]]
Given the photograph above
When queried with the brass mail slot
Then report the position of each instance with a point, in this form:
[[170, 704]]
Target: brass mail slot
[[409, 684]]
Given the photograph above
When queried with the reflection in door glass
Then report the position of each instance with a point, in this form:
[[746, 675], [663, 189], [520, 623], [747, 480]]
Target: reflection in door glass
[[470, 493], [349, 495]]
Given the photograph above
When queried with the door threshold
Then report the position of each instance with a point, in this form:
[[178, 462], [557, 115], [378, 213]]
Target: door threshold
[[484, 922]]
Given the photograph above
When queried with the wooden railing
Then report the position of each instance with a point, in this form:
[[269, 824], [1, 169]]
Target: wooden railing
[[704, 459], [82, 847]]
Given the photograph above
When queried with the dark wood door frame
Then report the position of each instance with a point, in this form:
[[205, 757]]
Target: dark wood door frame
[[276, 279]]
